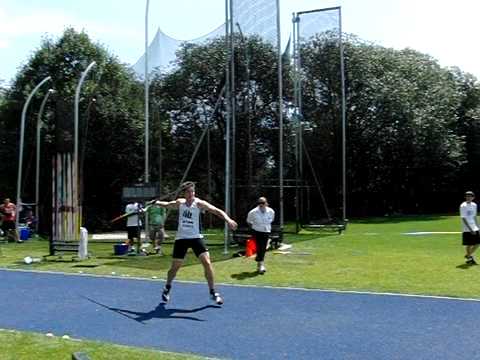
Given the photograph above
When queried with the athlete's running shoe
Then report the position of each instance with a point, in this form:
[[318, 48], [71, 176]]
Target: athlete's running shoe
[[217, 298], [166, 295], [471, 261]]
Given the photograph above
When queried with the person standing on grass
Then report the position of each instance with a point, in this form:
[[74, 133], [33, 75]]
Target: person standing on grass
[[260, 220], [8, 210], [134, 225], [470, 234], [156, 219], [189, 236]]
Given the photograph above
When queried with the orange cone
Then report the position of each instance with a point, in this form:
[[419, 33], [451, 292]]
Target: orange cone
[[251, 247]]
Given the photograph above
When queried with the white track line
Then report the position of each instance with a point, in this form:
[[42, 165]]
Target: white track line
[[375, 293], [431, 232]]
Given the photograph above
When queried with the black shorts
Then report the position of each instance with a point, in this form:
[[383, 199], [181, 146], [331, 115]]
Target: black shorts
[[8, 225], [470, 239], [133, 232], [181, 247]]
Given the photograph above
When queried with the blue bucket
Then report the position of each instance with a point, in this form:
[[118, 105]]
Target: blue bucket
[[120, 249], [24, 233]]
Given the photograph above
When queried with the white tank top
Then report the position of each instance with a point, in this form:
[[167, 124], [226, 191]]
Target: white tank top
[[188, 221]]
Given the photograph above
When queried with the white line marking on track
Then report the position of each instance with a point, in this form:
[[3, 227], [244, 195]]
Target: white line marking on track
[[432, 233], [375, 293]]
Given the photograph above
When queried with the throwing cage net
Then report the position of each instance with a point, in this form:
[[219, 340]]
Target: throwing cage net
[[255, 106], [162, 51], [220, 91], [318, 113]]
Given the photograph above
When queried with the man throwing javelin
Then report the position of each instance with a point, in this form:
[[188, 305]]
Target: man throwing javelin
[[189, 236]]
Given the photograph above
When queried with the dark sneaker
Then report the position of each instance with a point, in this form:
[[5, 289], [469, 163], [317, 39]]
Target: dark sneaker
[[470, 260], [217, 298], [166, 295]]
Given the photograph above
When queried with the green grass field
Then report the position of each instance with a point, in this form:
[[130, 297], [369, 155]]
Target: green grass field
[[27, 346], [372, 255]]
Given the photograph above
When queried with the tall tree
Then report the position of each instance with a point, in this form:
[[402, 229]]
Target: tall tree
[[111, 129], [402, 112], [186, 97]]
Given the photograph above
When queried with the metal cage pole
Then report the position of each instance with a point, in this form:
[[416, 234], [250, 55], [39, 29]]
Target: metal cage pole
[[280, 113], [344, 121], [233, 113], [297, 119], [227, 127], [300, 116], [147, 115]]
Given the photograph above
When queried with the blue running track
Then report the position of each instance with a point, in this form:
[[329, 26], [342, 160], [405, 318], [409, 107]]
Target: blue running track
[[254, 323]]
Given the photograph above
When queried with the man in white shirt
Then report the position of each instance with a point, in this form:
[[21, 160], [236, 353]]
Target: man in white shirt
[[470, 234], [260, 220], [134, 224]]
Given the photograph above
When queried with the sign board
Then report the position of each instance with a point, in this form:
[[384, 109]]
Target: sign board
[[140, 192]]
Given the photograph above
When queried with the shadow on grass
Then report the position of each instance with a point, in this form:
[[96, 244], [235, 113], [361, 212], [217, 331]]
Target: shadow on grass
[[245, 275], [465, 266], [216, 250], [86, 266], [156, 263], [102, 255], [398, 219], [160, 312]]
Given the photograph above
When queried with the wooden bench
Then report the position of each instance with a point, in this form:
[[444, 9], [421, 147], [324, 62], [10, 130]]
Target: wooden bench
[[337, 227], [63, 247], [241, 235]]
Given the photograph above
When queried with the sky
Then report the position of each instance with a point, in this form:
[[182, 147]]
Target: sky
[[444, 29]]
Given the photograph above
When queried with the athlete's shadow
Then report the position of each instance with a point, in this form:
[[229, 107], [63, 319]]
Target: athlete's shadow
[[465, 266], [160, 312], [245, 275]]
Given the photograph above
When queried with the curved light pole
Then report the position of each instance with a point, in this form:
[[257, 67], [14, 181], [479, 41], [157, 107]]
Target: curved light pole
[[37, 160], [147, 175], [20, 155], [76, 167]]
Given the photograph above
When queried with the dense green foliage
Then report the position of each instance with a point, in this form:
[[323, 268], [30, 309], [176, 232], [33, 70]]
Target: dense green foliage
[[412, 126], [111, 130]]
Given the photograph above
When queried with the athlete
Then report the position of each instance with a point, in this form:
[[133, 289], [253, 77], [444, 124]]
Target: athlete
[[189, 236]]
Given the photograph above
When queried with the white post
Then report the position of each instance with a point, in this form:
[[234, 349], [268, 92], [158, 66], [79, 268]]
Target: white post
[[20, 155]]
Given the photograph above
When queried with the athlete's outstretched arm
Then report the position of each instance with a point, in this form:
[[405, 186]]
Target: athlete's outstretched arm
[[218, 212], [174, 204]]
